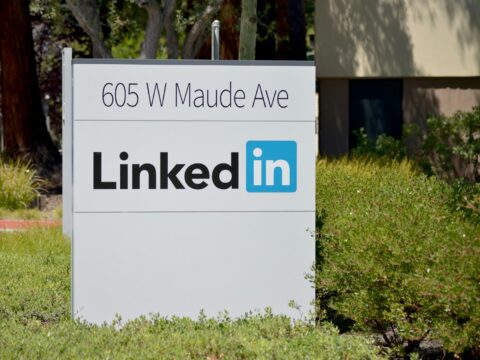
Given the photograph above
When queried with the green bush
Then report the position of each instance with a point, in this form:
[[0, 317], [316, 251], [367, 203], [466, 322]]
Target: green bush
[[393, 258], [383, 147], [35, 323], [465, 199], [451, 148], [19, 185]]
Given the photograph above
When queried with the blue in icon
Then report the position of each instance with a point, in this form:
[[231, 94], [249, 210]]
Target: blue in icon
[[271, 166]]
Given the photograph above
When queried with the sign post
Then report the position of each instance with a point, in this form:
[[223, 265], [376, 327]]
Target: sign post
[[216, 40], [193, 187]]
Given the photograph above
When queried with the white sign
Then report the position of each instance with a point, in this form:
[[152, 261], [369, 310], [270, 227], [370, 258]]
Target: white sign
[[193, 187]]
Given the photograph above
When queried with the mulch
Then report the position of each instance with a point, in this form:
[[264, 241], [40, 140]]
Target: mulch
[[11, 225]]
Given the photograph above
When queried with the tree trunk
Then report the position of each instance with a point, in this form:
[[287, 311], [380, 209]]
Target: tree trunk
[[25, 130], [298, 30], [153, 30], [291, 31], [197, 35], [266, 42], [171, 32], [88, 17], [248, 30]]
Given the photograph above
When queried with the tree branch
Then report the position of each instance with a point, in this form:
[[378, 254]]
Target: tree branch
[[197, 34], [88, 17]]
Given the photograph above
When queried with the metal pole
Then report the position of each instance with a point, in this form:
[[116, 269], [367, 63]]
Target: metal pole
[[216, 40], [67, 142]]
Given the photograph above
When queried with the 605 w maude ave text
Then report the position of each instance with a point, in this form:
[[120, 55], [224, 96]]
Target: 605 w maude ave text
[[158, 94]]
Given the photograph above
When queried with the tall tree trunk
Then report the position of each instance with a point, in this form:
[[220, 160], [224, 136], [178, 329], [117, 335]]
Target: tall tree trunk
[[153, 30], [171, 32], [87, 14], [298, 30], [25, 130], [248, 30], [291, 30], [266, 42]]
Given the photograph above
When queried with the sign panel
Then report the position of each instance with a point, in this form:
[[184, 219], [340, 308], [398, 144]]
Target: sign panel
[[193, 187]]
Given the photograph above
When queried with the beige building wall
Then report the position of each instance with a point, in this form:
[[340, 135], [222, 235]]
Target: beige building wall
[[426, 96], [397, 38], [445, 96]]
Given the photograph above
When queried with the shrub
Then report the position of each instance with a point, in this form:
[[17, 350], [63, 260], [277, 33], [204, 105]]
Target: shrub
[[451, 147], [465, 199], [394, 259], [18, 185], [35, 321], [383, 147]]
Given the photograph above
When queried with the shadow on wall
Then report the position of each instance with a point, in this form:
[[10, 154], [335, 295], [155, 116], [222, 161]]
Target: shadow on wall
[[423, 97], [377, 28], [464, 19], [365, 37]]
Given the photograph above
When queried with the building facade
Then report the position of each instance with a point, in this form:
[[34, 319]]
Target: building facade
[[383, 64]]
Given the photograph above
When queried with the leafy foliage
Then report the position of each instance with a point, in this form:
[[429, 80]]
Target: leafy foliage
[[18, 185], [35, 323], [53, 29], [450, 150], [452, 146], [465, 199], [383, 147], [394, 259]]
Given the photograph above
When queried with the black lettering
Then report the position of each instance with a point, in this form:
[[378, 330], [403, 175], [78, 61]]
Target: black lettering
[[156, 93], [179, 94], [229, 92], [208, 99], [190, 176], [97, 174], [232, 168], [239, 95], [165, 175], [259, 88], [123, 171], [273, 98], [123, 176], [137, 170], [280, 97], [199, 97]]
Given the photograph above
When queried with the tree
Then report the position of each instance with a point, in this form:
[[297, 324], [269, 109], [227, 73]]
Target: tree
[[87, 14], [248, 30], [198, 33], [160, 17], [53, 28], [229, 16], [291, 30], [25, 131], [266, 26]]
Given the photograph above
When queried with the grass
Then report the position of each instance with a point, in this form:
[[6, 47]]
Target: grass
[[31, 214], [19, 185], [35, 321]]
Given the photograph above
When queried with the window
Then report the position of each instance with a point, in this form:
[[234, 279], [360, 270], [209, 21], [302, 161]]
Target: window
[[375, 105]]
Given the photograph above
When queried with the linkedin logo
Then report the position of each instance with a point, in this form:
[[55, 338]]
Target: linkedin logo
[[271, 166]]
